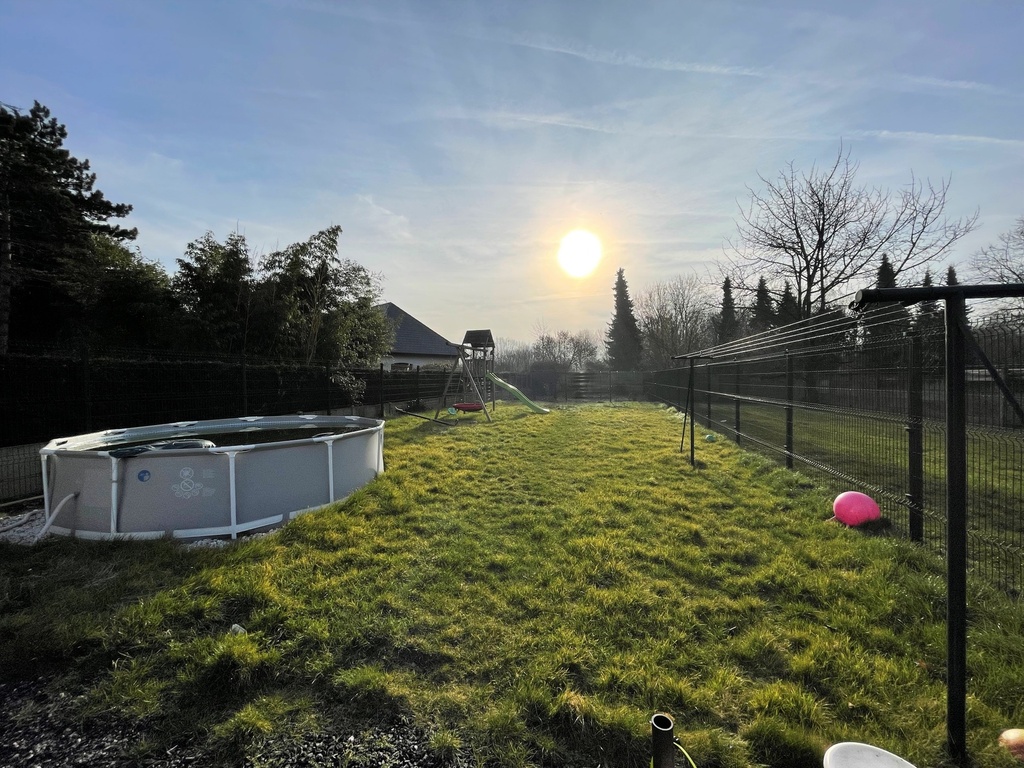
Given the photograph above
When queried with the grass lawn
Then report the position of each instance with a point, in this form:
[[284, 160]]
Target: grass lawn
[[530, 592]]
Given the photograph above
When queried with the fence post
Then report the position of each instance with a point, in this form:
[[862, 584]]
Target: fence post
[[416, 389], [245, 387], [708, 369], [382, 390], [86, 371], [915, 438], [327, 380], [789, 410], [956, 529], [691, 401], [736, 417]]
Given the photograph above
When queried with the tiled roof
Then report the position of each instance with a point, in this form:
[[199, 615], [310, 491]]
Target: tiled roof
[[412, 337]]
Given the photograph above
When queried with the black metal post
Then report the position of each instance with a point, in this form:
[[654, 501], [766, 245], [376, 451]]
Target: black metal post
[[382, 390], [245, 387], [736, 416], [663, 747], [86, 384], [708, 369], [416, 388], [789, 411], [956, 530], [692, 407], [915, 439], [327, 383]]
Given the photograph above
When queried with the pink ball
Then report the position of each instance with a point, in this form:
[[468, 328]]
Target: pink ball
[[855, 508]]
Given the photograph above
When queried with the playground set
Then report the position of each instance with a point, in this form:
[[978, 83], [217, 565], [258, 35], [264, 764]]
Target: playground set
[[472, 381]]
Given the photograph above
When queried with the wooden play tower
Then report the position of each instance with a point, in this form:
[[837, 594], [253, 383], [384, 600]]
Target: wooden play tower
[[473, 388]]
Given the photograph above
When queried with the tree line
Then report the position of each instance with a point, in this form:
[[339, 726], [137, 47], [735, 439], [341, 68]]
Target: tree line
[[69, 272], [804, 240]]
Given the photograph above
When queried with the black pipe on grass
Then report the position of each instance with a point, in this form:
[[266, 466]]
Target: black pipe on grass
[[663, 748]]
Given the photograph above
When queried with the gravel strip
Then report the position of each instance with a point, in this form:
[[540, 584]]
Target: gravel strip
[[36, 732]]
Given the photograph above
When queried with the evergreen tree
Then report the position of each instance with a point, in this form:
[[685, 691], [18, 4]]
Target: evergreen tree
[[885, 323], [929, 321], [49, 210], [951, 278], [789, 309], [726, 324], [623, 338], [763, 315]]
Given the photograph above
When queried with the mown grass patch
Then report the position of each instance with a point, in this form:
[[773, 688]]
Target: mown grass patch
[[530, 592]]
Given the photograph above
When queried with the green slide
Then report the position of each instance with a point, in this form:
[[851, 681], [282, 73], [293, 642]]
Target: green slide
[[517, 394]]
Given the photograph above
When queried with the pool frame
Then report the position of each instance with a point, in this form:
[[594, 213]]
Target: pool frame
[[193, 493]]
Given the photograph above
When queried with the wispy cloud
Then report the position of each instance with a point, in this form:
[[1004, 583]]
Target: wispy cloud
[[951, 138], [916, 82], [624, 59]]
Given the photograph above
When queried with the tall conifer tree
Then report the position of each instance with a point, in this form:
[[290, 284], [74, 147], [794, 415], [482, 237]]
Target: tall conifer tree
[[623, 339], [49, 211]]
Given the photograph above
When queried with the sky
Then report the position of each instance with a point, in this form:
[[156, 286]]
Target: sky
[[456, 143]]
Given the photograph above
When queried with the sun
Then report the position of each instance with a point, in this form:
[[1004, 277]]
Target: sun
[[579, 253]]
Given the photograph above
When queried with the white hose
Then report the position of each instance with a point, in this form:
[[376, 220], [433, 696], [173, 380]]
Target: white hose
[[18, 523], [53, 517]]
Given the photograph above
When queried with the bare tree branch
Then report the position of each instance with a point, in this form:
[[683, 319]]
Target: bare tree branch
[[819, 231]]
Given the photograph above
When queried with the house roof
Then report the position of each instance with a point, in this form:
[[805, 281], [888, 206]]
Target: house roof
[[412, 337]]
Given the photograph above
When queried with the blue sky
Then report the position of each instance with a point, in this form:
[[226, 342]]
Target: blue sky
[[457, 142]]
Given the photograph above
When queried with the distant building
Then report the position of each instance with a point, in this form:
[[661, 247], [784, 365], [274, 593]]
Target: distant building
[[415, 344]]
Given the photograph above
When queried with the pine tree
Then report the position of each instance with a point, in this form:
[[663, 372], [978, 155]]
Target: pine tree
[[789, 310], [886, 322], [726, 324], [763, 316], [48, 212], [929, 321], [623, 338]]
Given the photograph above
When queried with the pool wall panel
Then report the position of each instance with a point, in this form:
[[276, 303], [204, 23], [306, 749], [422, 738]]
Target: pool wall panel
[[187, 492]]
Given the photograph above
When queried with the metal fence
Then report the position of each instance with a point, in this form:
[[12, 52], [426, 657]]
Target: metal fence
[[578, 386], [53, 392], [860, 404]]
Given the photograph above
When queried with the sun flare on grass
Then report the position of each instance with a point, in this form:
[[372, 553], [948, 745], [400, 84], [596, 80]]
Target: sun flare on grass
[[579, 253]]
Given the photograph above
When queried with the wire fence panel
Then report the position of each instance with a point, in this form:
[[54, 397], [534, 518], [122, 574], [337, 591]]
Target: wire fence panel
[[860, 404], [52, 392]]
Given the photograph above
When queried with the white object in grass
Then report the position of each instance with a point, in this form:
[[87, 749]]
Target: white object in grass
[[852, 754]]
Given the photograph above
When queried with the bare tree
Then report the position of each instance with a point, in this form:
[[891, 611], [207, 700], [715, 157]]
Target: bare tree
[[512, 355], [820, 230], [674, 317], [1003, 261], [565, 351]]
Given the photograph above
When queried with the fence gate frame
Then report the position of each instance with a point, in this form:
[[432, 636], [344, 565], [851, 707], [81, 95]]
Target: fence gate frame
[[958, 339]]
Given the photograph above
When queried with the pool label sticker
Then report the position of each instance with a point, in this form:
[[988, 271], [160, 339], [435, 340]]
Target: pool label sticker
[[187, 488], [144, 475]]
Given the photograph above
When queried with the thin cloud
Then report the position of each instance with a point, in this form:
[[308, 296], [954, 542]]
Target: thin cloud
[[953, 138], [956, 85], [619, 59]]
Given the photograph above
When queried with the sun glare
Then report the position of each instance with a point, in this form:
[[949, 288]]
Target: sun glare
[[579, 253]]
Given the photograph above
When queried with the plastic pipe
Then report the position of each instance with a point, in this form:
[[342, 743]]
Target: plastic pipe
[[663, 747]]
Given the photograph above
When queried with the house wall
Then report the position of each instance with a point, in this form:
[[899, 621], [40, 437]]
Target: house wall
[[420, 360]]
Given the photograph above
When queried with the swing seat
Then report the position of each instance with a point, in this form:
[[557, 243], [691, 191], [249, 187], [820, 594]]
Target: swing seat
[[468, 407]]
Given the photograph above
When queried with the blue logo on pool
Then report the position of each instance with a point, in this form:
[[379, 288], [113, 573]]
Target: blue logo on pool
[[144, 475]]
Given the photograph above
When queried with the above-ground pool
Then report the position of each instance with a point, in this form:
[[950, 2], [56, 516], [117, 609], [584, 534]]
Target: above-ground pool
[[196, 479]]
